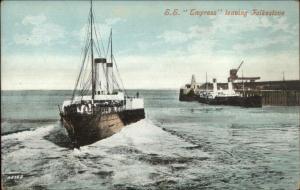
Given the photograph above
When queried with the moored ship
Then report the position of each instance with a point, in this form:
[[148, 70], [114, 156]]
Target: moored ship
[[278, 93], [228, 97], [99, 106]]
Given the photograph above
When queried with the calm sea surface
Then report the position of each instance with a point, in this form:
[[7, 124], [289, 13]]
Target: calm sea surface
[[180, 145]]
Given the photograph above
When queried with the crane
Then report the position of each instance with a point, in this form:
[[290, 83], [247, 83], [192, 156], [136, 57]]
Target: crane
[[239, 66], [233, 75]]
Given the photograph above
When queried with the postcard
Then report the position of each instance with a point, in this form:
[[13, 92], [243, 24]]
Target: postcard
[[150, 95]]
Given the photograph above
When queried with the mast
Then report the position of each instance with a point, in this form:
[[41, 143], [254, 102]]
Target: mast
[[243, 83], [106, 73], [92, 53], [206, 81], [111, 54], [109, 68], [111, 60]]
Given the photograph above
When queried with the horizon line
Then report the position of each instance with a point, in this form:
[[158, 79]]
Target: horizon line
[[73, 89]]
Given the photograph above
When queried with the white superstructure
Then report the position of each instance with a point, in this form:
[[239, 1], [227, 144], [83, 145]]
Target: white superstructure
[[218, 92], [117, 102]]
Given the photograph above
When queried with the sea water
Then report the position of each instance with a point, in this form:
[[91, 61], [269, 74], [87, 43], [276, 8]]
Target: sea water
[[180, 145]]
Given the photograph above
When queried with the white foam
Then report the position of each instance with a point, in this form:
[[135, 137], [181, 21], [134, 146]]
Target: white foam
[[141, 132], [144, 136], [37, 133]]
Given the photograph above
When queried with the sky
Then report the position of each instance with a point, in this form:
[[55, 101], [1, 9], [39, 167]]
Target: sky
[[41, 41]]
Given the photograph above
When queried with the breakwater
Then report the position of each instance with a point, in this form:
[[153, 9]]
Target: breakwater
[[276, 97]]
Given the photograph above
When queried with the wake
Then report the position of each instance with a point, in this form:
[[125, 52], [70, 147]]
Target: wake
[[40, 132]]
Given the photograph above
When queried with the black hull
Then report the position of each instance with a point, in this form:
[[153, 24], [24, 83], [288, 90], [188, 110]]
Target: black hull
[[248, 102], [187, 97], [84, 129]]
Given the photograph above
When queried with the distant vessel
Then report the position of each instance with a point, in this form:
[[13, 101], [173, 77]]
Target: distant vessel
[[190, 92], [228, 97], [248, 92], [98, 110]]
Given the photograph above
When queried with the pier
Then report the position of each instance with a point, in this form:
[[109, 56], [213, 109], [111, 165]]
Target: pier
[[277, 93], [276, 97]]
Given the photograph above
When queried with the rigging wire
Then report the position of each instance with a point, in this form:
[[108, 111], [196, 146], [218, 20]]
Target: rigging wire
[[85, 84], [107, 49], [99, 50], [99, 36], [117, 69], [88, 83], [83, 55], [86, 65], [87, 59], [115, 82], [77, 80], [97, 44]]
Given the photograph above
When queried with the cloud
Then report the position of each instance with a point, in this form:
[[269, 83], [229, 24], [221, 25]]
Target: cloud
[[194, 32], [174, 37], [41, 33], [195, 54], [165, 71], [40, 71], [34, 20], [235, 25], [169, 71], [220, 46], [281, 24], [112, 21], [226, 27], [234, 36], [103, 29], [261, 43]]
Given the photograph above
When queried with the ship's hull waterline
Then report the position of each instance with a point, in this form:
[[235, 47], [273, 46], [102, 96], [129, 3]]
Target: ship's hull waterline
[[187, 97], [85, 129], [248, 102]]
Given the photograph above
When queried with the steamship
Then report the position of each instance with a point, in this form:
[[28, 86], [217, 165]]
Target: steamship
[[228, 97], [99, 106]]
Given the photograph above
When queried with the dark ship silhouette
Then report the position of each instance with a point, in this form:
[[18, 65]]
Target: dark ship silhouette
[[228, 97], [198, 92], [98, 110]]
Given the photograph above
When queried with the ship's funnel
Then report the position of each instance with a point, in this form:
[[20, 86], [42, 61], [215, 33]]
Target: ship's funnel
[[109, 77], [98, 61], [215, 87], [230, 88]]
